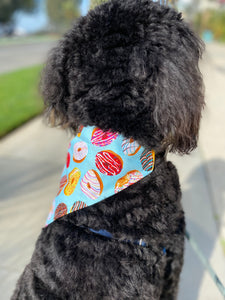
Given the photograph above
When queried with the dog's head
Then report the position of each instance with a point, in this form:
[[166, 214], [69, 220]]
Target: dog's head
[[130, 66]]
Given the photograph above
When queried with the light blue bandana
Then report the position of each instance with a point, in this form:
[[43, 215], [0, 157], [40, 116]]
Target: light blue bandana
[[99, 165]]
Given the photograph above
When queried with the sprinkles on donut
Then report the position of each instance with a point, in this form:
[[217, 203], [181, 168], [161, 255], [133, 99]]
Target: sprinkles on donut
[[109, 163], [130, 147], [102, 138], [91, 184], [147, 160], [130, 178], [60, 211]]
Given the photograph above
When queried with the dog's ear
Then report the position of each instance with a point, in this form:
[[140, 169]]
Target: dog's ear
[[180, 93], [54, 86]]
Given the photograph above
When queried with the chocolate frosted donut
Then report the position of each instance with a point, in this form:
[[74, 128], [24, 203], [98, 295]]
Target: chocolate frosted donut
[[60, 211], [78, 205], [147, 160]]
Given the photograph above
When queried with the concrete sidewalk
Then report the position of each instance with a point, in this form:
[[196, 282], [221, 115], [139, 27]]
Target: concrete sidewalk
[[32, 158], [203, 183], [31, 161]]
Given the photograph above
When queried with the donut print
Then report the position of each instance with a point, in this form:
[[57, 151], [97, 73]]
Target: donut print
[[61, 210], [130, 178], [80, 128], [73, 179], [78, 205], [68, 160], [130, 147], [63, 182], [80, 151], [102, 138], [147, 160], [93, 156], [109, 163], [91, 184]]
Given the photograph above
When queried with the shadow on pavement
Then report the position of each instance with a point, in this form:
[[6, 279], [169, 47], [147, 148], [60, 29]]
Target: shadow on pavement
[[21, 176], [199, 204]]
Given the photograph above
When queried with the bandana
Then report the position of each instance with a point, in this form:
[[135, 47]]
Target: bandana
[[99, 164]]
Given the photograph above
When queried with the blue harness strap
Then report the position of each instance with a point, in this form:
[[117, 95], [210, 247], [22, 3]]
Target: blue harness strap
[[107, 234]]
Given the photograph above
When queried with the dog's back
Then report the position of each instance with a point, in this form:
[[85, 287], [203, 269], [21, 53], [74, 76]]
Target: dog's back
[[130, 67], [71, 262]]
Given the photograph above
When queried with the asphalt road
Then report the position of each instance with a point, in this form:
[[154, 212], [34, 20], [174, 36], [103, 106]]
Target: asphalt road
[[18, 56]]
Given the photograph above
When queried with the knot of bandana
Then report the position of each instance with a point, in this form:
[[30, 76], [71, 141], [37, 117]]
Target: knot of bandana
[[99, 164]]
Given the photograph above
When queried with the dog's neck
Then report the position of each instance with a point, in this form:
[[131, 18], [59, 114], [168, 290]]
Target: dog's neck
[[99, 165]]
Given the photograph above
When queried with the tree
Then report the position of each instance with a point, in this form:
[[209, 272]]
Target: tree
[[172, 2], [62, 13], [8, 7], [96, 2]]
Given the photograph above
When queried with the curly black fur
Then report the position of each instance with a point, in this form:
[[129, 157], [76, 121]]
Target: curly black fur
[[130, 66]]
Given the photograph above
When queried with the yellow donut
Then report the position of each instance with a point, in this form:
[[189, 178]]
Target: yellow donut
[[73, 179]]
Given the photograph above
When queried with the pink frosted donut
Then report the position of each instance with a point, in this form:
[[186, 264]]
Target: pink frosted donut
[[108, 162], [130, 147], [91, 184], [61, 210], [63, 182], [78, 205], [127, 180], [80, 151], [102, 138]]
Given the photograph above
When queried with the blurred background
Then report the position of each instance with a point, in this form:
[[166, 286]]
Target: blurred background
[[32, 155], [29, 28]]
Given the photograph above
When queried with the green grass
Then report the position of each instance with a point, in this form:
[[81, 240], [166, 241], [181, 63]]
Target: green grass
[[19, 98]]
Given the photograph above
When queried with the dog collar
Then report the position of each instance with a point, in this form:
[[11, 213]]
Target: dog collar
[[99, 164]]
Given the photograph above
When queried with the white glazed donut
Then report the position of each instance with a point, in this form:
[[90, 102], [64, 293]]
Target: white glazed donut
[[130, 147], [80, 151], [91, 184]]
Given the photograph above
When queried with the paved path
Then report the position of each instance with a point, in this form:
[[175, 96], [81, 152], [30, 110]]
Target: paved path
[[32, 158], [31, 161], [202, 176], [18, 56]]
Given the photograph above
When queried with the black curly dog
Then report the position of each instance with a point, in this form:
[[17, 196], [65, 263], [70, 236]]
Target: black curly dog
[[130, 66]]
